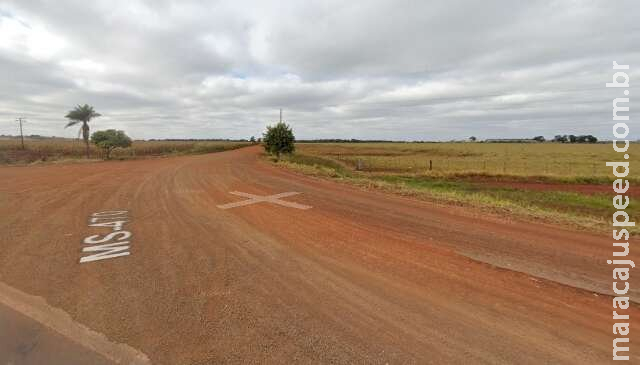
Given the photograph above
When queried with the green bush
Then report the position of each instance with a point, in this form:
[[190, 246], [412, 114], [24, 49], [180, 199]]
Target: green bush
[[279, 139], [109, 140]]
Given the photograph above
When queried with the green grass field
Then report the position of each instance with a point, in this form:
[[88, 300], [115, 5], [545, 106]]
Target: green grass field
[[465, 173], [56, 149]]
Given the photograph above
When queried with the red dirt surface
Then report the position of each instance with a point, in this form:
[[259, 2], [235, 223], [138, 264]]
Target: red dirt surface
[[362, 277], [587, 189]]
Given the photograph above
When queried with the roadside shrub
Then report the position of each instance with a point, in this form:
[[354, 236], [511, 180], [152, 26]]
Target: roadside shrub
[[109, 140], [279, 139]]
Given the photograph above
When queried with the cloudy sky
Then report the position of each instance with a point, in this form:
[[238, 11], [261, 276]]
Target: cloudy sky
[[394, 69]]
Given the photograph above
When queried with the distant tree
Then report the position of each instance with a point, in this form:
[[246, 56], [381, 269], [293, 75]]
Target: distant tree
[[561, 139], [278, 139], [586, 139], [473, 139], [539, 138], [82, 114], [252, 139], [109, 140], [575, 139]]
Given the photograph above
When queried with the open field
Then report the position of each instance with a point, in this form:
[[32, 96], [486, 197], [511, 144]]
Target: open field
[[55, 149], [353, 277], [562, 183], [555, 161]]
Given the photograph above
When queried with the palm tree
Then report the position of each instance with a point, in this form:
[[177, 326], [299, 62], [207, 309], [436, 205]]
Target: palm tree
[[82, 114]]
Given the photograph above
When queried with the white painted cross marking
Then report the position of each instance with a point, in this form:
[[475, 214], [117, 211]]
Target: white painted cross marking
[[253, 199]]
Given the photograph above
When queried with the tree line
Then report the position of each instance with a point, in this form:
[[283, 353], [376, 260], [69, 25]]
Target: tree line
[[570, 138], [278, 139]]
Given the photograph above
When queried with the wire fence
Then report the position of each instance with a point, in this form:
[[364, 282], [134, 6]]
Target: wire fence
[[496, 166]]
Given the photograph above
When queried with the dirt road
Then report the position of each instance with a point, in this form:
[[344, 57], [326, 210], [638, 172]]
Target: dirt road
[[361, 277]]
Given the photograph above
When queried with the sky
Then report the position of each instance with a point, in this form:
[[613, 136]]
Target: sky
[[395, 70]]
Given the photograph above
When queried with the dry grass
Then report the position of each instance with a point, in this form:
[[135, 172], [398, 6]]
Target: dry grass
[[460, 172], [54, 149], [580, 162]]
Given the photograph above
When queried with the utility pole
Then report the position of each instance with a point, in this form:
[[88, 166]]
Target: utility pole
[[21, 120], [280, 115]]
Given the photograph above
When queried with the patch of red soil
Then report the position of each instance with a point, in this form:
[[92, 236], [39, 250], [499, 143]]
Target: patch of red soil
[[587, 189]]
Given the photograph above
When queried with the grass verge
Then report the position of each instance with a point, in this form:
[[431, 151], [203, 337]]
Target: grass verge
[[66, 150], [587, 212]]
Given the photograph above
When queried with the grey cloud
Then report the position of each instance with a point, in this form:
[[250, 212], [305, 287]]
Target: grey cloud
[[359, 69]]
